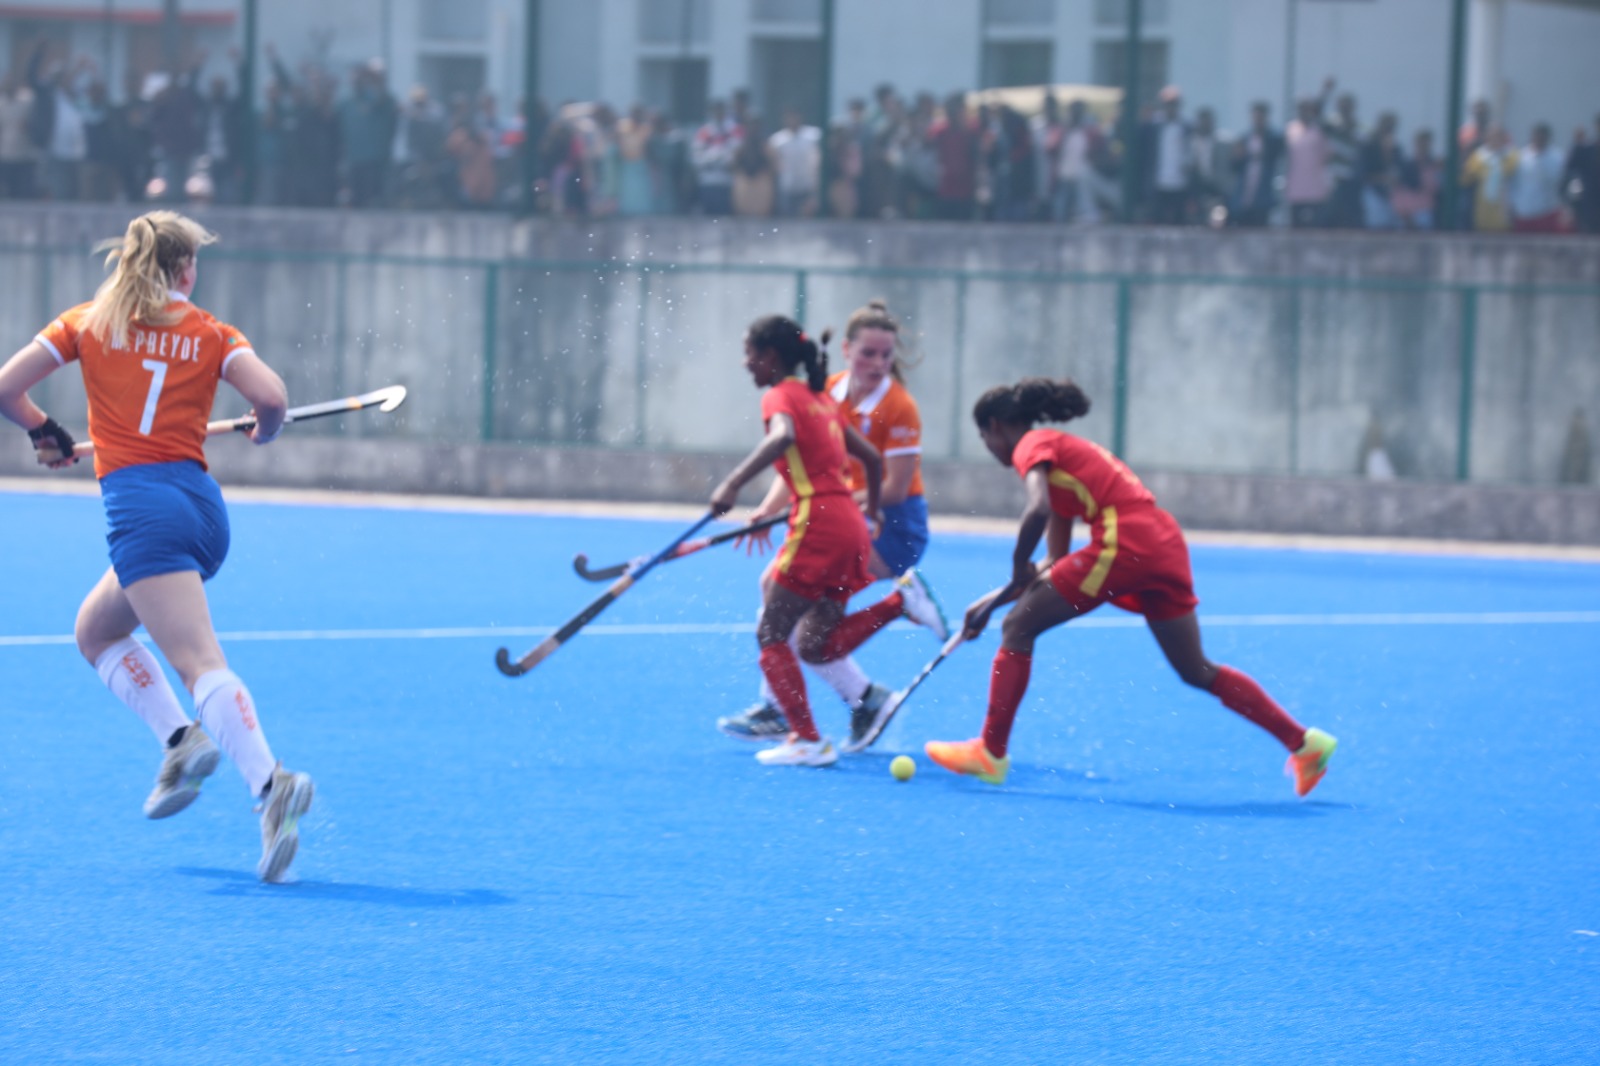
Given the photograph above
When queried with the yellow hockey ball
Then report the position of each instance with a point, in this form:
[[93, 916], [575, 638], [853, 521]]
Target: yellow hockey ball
[[903, 767]]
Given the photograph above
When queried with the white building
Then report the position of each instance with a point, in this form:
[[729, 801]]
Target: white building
[[1534, 58]]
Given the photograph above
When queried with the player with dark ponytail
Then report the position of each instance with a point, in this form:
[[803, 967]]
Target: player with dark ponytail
[[1136, 559], [823, 561], [872, 398]]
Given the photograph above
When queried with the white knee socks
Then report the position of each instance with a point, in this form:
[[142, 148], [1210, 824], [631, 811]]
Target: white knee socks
[[842, 675], [135, 677], [229, 715]]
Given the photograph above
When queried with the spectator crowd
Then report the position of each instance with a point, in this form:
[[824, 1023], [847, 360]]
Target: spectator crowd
[[180, 137]]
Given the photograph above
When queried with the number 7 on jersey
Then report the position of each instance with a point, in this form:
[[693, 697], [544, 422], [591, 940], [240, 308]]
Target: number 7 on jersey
[[158, 371]]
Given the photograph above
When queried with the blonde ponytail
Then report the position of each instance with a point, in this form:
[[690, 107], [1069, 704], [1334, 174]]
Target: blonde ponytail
[[147, 260]]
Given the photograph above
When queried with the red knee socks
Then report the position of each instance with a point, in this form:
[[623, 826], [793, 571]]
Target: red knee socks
[[853, 630], [1240, 694], [782, 671], [1008, 681]]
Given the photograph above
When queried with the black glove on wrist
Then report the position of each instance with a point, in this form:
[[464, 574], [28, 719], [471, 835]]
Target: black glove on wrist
[[51, 432]]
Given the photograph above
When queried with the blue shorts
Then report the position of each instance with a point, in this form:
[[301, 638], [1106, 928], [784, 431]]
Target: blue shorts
[[164, 518], [904, 536]]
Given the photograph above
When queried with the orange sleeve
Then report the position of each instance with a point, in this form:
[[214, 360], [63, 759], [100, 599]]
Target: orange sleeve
[[61, 336], [233, 343], [904, 425]]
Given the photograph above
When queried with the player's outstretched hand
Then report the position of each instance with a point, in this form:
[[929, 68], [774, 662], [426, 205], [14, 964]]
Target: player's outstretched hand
[[757, 541]]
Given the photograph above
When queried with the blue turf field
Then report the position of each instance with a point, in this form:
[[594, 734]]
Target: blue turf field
[[575, 866]]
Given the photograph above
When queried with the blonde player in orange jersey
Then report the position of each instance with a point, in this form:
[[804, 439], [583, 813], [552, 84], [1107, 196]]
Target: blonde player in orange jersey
[[873, 399], [151, 361]]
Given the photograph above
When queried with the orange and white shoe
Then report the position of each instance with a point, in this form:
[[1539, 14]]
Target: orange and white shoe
[[969, 757], [1308, 764]]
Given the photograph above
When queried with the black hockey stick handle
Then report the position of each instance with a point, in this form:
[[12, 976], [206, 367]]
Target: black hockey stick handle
[[547, 647], [580, 562]]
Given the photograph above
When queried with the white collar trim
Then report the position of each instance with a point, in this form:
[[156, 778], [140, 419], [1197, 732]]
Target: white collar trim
[[841, 392], [174, 294]]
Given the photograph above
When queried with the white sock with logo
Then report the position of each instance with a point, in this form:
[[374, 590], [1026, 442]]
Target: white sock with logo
[[844, 676], [134, 676], [229, 715]]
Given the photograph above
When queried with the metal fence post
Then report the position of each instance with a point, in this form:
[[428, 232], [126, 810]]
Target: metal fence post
[[1119, 409], [801, 284], [957, 361], [640, 357], [1294, 378], [491, 315], [1469, 354], [341, 296]]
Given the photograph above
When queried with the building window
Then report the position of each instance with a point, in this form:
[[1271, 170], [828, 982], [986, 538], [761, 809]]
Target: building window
[[791, 11], [455, 20], [679, 22], [1007, 14], [450, 78], [679, 87], [1018, 63], [1110, 65], [1115, 13], [788, 76]]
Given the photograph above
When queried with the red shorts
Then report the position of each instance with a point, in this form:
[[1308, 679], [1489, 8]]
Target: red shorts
[[825, 555], [1137, 561]]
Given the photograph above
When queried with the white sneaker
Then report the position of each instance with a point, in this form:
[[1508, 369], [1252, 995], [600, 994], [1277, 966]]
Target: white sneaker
[[287, 799], [921, 606], [184, 768], [796, 752]]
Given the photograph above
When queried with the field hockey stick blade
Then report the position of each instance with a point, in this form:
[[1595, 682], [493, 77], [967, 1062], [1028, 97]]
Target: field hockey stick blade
[[547, 647], [580, 562]]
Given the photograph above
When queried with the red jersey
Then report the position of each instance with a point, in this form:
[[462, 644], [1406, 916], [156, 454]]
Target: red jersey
[[1085, 479], [150, 399], [814, 464], [888, 418]]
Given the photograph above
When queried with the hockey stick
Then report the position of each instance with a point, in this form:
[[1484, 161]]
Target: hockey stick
[[547, 647], [385, 399], [580, 562], [896, 700]]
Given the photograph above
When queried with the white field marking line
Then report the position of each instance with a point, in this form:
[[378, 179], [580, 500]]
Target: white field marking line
[[940, 524], [675, 629]]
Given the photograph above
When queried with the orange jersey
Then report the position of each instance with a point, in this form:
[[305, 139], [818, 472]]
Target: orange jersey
[[888, 417], [148, 401], [814, 464], [1085, 479]]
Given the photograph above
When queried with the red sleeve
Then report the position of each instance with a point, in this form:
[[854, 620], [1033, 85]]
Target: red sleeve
[[777, 401], [60, 337], [1034, 448]]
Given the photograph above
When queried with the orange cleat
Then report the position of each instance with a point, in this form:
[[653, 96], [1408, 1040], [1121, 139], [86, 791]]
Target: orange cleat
[[969, 757], [1308, 764]]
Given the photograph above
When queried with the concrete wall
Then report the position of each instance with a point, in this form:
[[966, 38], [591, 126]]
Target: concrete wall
[[1324, 506], [626, 335]]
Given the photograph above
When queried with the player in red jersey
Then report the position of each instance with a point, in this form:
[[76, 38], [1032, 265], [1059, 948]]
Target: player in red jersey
[[871, 397], [151, 361], [1136, 559], [823, 561]]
